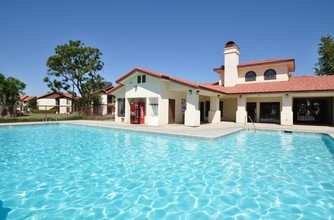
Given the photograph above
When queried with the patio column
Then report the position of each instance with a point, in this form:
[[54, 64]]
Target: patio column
[[241, 109], [214, 113], [192, 114], [286, 113]]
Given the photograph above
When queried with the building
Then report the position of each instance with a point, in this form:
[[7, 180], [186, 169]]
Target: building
[[61, 102], [107, 106], [261, 91], [23, 102]]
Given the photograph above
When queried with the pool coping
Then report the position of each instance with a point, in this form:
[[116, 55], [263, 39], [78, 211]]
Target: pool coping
[[205, 131]]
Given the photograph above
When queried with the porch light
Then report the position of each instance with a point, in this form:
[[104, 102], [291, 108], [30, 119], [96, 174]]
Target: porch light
[[240, 96], [286, 95], [218, 96], [135, 87], [190, 91], [197, 92]]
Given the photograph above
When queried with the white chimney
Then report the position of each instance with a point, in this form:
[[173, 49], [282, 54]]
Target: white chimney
[[231, 53]]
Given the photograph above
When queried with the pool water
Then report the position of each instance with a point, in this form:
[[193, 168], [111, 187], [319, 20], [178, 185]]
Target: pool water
[[78, 172]]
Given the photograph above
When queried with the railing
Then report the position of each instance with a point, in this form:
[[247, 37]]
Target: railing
[[49, 119], [248, 117]]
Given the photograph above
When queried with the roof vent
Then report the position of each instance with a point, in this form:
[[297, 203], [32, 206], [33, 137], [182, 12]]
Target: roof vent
[[231, 44]]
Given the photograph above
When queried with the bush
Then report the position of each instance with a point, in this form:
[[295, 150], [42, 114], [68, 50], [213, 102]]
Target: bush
[[51, 111]]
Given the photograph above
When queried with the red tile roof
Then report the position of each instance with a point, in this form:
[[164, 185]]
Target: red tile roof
[[294, 84], [56, 95], [105, 90], [290, 62], [26, 98], [158, 75], [114, 88]]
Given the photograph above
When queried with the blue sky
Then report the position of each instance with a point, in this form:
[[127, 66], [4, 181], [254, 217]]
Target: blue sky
[[182, 38]]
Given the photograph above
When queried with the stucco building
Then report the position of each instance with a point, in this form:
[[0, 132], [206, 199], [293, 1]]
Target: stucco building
[[60, 101], [264, 90]]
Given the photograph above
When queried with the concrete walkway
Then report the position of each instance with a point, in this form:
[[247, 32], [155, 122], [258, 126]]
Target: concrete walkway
[[206, 131]]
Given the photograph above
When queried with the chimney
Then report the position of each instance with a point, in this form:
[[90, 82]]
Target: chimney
[[231, 55]]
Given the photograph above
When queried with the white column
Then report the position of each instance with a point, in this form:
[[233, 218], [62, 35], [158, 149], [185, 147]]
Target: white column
[[214, 113], [241, 110], [127, 111], [192, 114], [286, 113]]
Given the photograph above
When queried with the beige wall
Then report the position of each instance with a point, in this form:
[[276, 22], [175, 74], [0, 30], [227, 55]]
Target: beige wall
[[281, 71], [229, 109]]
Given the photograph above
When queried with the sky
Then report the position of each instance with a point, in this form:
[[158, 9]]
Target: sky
[[181, 38]]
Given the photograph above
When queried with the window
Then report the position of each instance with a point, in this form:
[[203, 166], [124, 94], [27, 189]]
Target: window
[[250, 76], [221, 108], [270, 112], [141, 79], [207, 108], [121, 107], [110, 99], [270, 74]]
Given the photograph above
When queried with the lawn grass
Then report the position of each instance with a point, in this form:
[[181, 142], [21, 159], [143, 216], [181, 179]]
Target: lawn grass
[[32, 117]]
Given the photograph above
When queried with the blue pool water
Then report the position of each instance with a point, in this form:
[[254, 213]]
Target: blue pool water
[[76, 172]]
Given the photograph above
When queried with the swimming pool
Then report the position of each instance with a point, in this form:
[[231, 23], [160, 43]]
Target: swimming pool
[[78, 172]]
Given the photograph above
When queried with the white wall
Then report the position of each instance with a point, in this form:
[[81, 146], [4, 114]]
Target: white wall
[[46, 104], [65, 105], [104, 102], [156, 91], [231, 60]]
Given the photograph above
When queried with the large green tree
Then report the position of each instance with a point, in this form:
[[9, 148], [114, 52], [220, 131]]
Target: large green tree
[[325, 64], [74, 69], [10, 90]]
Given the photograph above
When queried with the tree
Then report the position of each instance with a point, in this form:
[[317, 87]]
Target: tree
[[96, 99], [10, 90], [32, 104], [325, 64], [105, 84], [74, 69]]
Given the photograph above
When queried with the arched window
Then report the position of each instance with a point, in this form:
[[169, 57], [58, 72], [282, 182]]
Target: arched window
[[270, 74], [250, 76]]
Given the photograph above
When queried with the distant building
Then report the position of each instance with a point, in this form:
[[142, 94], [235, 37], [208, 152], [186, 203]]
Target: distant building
[[261, 91], [23, 102], [60, 101], [108, 102]]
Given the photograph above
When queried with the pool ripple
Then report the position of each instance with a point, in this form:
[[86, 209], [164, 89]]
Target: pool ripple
[[90, 173]]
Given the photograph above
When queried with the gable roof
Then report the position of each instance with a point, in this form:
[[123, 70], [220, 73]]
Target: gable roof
[[26, 98], [294, 84], [105, 90], [114, 88], [55, 95], [289, 61], [158, 75]]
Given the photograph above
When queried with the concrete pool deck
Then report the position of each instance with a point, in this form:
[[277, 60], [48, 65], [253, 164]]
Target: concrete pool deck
[[206, 131]]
